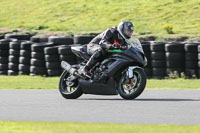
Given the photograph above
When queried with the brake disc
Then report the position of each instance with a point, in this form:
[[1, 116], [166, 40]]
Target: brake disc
[[132, 84]]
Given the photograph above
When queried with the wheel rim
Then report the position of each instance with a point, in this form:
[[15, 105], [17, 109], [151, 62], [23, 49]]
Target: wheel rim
[[132, 87], [68, 87]]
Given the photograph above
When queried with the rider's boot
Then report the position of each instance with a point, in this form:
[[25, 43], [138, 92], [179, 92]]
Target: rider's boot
[[97, 56], [86, 69]]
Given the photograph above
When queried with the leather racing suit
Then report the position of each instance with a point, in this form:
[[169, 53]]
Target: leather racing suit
[[97, 47]]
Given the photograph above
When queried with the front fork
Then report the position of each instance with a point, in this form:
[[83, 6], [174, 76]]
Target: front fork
[[129, 74], [131, 69]]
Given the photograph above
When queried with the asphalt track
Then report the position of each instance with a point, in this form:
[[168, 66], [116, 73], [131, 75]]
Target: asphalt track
[[152, 107]]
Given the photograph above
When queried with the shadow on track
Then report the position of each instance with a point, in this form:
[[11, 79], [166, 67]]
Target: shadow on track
[[167, 99], [143, 99]]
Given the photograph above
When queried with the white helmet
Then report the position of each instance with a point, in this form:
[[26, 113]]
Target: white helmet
[[125, 29]]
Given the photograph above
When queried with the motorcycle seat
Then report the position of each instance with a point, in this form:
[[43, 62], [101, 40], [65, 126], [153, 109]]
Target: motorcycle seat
[[81, 51]]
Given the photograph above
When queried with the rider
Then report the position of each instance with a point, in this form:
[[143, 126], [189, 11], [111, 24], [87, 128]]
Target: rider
[[110, 39]]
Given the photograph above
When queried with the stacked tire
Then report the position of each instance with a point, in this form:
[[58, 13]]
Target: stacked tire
[[158, 59], [14, 54], [39, 39], [4, 53], [52, 56], [199, 61], [191, 60], [25, 58], [18, 37], [2, 36], [38, 64], [147, 52], [52, 59], [61, 40], [175, 58], [83, 39], [66, 54]]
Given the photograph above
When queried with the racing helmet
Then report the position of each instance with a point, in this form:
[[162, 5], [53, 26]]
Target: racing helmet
[[125, 29]]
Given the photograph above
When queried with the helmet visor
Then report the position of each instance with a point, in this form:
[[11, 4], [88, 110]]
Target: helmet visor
[[128, 33]]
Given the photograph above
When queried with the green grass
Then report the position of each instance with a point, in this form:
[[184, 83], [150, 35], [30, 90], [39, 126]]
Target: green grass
[[173, 84], [28, 82], [66, 127], [38, 82], [148, 16]]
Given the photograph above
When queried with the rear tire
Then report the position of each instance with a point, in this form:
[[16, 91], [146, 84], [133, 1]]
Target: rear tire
[[139, 87], [64, 90]]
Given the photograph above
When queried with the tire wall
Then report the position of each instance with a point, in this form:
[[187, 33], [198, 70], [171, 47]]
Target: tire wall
[[171, 59], [42, 55], [175, 58], [158, 61]]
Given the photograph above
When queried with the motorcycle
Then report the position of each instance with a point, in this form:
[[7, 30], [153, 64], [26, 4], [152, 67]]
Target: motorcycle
[[121, 73]]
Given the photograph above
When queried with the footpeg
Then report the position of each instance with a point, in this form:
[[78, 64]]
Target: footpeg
[[88, 76]]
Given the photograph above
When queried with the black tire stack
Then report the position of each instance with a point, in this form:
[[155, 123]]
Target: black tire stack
[[199, 61], [39, 39], [52, 59], [175, 58], [38, 56], [147, 52], [2, 36], [83, 39], [19, 37], [43, 55], [38, 64], [14, 54], [66, 54], [191, 60], [63, 40], [52, 56], [4, 53], [158, 59], [25, 58]]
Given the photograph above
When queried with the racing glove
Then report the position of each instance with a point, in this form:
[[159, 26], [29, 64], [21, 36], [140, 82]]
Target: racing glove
[[115, 46]]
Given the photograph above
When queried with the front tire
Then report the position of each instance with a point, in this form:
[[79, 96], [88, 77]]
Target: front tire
[[68, 91], [135, 87]]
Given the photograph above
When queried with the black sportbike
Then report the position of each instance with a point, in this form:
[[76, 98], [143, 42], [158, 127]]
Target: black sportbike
[[121, 73]]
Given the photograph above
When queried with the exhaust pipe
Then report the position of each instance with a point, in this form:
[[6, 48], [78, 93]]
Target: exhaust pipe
[[70, 69]]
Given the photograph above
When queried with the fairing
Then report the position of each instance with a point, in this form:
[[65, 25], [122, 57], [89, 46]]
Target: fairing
[[134, 53], [133, 56]]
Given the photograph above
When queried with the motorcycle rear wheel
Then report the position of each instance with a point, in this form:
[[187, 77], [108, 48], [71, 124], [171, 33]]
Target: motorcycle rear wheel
[[135, 88], [68, 91]]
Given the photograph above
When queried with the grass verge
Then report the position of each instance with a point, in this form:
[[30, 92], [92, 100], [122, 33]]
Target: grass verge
[[66, 127], [28, 82], [148, 16], [170, 84], [38, 82]]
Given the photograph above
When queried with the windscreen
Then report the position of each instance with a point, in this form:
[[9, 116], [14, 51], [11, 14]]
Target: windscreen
[[135, 43]]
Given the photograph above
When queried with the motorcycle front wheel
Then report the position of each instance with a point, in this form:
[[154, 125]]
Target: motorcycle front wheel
[[69, 90], [132, 88]]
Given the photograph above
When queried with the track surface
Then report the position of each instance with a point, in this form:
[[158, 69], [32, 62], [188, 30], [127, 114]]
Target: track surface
[[152, 107]]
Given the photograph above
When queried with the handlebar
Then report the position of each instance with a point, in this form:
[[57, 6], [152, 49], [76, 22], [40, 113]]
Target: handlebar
[[116, 46]]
